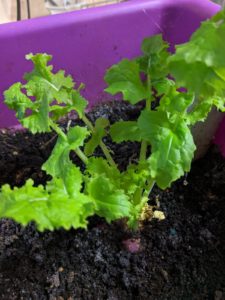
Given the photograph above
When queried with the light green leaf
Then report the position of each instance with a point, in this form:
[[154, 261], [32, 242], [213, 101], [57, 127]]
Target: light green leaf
[[25, 204], [206, 45], [65, 210], [219, 102], [99, 166], [163, 86], [79, 103], [125, 78], [42, 74], [199, 111], [193, 76], [58, 111], [46, 90], [202, 106], [35, 123], [61, 80], [125, 131], [59, 163], [17, 100], [134, 178], [49, 208], [52, 166], [154, 60], [111, 203], [153, 45], [175, 102], [70, 174], [172, 146], [199, 64], [42, 81], [76, 136], [97, 135], [74, 102]]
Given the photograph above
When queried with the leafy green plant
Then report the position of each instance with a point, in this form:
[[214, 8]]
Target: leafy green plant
[[70, 197]]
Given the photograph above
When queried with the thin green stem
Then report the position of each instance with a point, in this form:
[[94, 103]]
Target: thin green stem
[[81, 155], [148, 103], [58, 130], [88, 122], [143, 150], [60, 133], [107, 154], [144, 144], [102, 145], [149, 186]]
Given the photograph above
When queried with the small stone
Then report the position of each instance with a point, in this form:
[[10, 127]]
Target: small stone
[[211, 196], [60, 269], [38, 258], [205, 233], [164, 274], [124, 262], [99, 257], [132, 245], [185, 182], [173, 232], [70, 277], [54, 280], [159, 215], [219, 295]]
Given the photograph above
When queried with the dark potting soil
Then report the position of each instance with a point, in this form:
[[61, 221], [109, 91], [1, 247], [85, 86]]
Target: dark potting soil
[[181, 257]]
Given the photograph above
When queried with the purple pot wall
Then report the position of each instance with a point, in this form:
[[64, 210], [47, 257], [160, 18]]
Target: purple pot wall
[[85, 43]]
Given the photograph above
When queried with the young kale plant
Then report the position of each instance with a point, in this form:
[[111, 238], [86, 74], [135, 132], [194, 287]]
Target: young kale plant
[[70, 197]]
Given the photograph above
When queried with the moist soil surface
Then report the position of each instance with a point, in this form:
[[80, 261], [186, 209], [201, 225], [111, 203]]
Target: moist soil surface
[[181, 257]]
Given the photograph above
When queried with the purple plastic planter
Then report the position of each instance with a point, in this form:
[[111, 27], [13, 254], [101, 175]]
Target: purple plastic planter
[[87, 42]]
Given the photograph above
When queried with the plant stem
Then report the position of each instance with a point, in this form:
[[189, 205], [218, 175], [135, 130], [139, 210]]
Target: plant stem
[[107, 154], [144, 144], [58, 130], [149, 187], [81, 155], [148, 103], [102, 145], [60, 133], [88, 122], [143, 150]]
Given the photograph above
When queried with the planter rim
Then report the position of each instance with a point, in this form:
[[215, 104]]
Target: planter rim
[[102, 12]]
